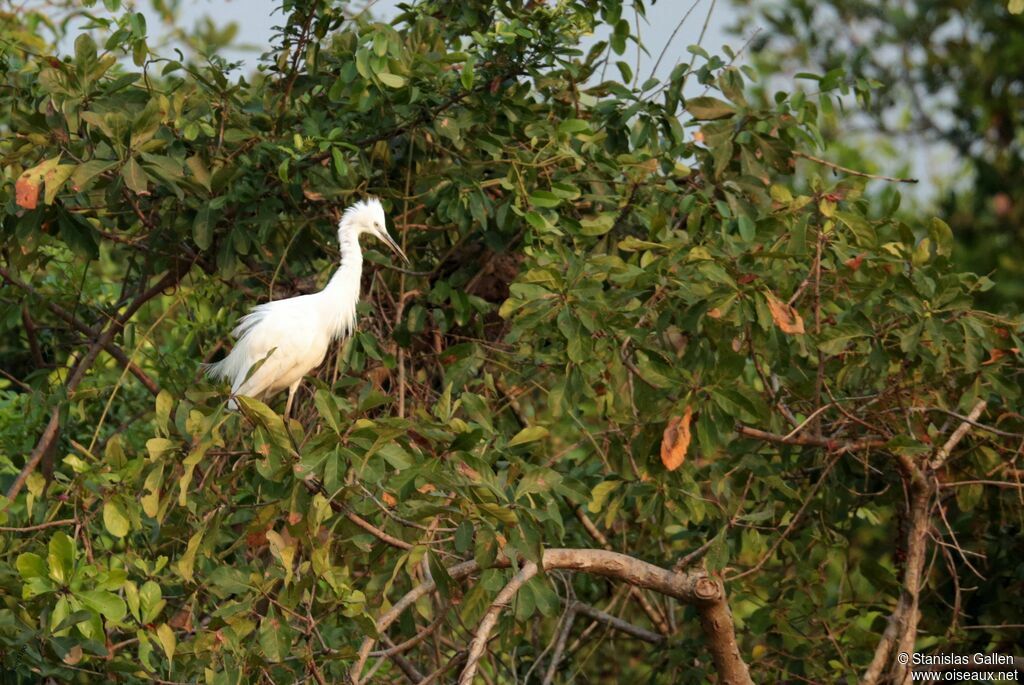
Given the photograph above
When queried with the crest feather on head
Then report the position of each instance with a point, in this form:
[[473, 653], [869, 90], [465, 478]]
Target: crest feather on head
[[370, 204]]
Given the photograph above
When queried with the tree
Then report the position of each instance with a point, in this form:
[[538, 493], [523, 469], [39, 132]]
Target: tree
[[638, 385], [940, 75]]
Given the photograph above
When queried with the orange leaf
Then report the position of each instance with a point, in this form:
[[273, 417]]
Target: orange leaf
[[786, 318], [389, 499], [854, 262], [26, 192], [676, 440]]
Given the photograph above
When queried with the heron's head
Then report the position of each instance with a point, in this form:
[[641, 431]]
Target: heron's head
[[367, 216]]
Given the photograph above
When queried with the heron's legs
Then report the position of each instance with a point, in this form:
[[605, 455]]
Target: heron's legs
[[291, 396]]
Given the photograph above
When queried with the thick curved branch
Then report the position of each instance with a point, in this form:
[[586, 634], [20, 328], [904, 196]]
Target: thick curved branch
[[692, 587]]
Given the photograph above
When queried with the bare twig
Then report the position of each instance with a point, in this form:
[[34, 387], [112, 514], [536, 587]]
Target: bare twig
[[811, 441], [560, 640], [852, 172], [38, 526], [618, 624], [483, 631], [46, 441], [943, 454]]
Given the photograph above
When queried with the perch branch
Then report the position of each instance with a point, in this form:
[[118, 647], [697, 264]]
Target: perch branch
[[693, 587], [852, 172]]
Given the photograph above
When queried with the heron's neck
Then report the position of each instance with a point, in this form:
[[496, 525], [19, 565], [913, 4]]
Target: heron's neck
[[340, 296]]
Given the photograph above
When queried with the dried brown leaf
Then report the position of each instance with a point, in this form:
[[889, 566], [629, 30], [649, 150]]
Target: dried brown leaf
[[786, 318], [26, 191], [676, 440]]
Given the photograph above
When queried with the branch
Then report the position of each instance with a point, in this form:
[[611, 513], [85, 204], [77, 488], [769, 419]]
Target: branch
[[618, 624], [82, 366], [410, 671], [483, 631], [657, 619], [797, 518], [828, 443], [560, 640], [316, 487], [693, 587], [943, 454], [46, 441], [38, 526], [901, 632], [89, 331], [852, 172]]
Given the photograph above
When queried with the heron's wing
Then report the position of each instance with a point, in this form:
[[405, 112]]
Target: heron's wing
[[282, 336]]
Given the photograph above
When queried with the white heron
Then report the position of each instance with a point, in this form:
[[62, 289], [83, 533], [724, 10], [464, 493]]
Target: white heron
[[291, 336]]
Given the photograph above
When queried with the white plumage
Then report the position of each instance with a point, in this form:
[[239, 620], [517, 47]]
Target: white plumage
[[291, 336]]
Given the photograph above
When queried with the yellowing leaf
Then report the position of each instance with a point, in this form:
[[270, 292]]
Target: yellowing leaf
[[26, 188], [391, 80], [54, 179], [526, 435], [188, 559], [114, 519], [284, 552], [167, 640], [786, 318], [676, 440]]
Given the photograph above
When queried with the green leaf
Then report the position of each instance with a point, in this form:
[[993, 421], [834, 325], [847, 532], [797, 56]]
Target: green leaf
[[30, 565], [526, 435], [134, 177], [709, 108], [269, 419], [275, 637], [599, 495], [718, 553], [84, 173], [61, 557], [941, 235], [468, 72], [598, 225], [538, 480], [391, 80], [103, 602], [464, 537], [114, 519], [544, 198], [573, 126], [202, 228], [54, 179], [151, 601], [440, 575]]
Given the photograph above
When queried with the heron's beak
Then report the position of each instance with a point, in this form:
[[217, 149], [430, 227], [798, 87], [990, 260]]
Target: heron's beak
[[389, 241]]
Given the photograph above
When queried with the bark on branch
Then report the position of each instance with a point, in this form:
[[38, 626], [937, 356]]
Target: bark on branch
[[692, 587], [923, 487]]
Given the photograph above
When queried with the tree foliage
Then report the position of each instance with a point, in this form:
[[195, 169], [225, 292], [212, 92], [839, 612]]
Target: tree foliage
[[628, 325], [942, 75]]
